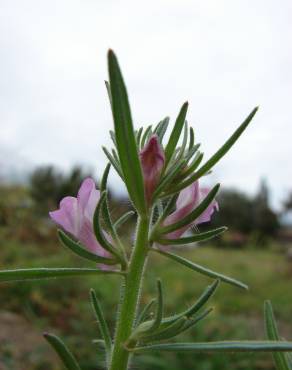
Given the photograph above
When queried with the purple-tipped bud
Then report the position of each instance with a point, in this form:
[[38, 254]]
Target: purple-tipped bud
[[187, 201], [75, 215], [152, 161]]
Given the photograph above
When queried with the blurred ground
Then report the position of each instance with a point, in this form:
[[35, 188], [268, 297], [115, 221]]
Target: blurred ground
[[63, 307]]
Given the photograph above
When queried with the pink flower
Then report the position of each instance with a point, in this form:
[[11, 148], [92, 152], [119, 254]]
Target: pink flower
[[75, 216], [152, 161], [187, 201]]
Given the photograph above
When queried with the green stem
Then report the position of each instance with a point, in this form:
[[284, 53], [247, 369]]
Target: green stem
[[130, 297]]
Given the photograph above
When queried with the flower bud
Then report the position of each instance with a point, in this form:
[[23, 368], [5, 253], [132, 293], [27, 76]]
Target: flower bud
[[152, 161]]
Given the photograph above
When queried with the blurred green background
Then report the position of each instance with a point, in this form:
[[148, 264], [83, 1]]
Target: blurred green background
[[256, 250]]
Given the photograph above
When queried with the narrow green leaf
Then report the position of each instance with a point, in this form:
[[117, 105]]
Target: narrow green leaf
[[194, 238], [159, 309], [98, 229], [184, 142], [272, 334], [105, 208], [125, 137], [213, 347], [138, 138], [65, 355], [202, 270], [175, 134], [145, 312], [103, 327], [113, 137], [168, 178], [177, 327], [192, 151], [50, 273], [169, 207], [192, 216], [146, 134], [193, 166], [202, 300], [124, 218], [81, 251], [192, 138], [219, 154], [162, 129], [112, 160], [195, 320], [103, 184], [166, 332], [108, 89]]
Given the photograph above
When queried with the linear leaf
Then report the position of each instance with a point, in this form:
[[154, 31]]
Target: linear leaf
[[194, 238], [124, 218], [193, 166], [219, 154], [162, 129], [272, 334], [202, 300], [98, 229], [112, 160], [103, 183], [192, 138], [145, 312], [201, 269], [159, 309], [82, 252], [65, 355], [192, 216], [50, 273], [166, 332], [103, 327], [108, 89], [146, 134], [184, 141], [175, 134], [168, 178], [213, 347], [179, 326], [125, 137], [138, 137]]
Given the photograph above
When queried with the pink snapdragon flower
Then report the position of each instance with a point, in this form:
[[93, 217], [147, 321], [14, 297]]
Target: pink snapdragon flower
[[188, 199], [152, 161], [75, 216]]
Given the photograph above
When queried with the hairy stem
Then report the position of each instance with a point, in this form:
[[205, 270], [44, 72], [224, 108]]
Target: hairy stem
[[130, 297]]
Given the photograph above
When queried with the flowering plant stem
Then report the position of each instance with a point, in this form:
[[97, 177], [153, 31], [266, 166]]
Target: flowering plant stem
[[130, 293]]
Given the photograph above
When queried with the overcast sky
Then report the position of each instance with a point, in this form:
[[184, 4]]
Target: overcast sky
[[224, 57]]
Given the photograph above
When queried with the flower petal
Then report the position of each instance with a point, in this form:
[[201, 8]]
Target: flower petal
[[88, 197], [187, 200], [206, 215], [68, 215]]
